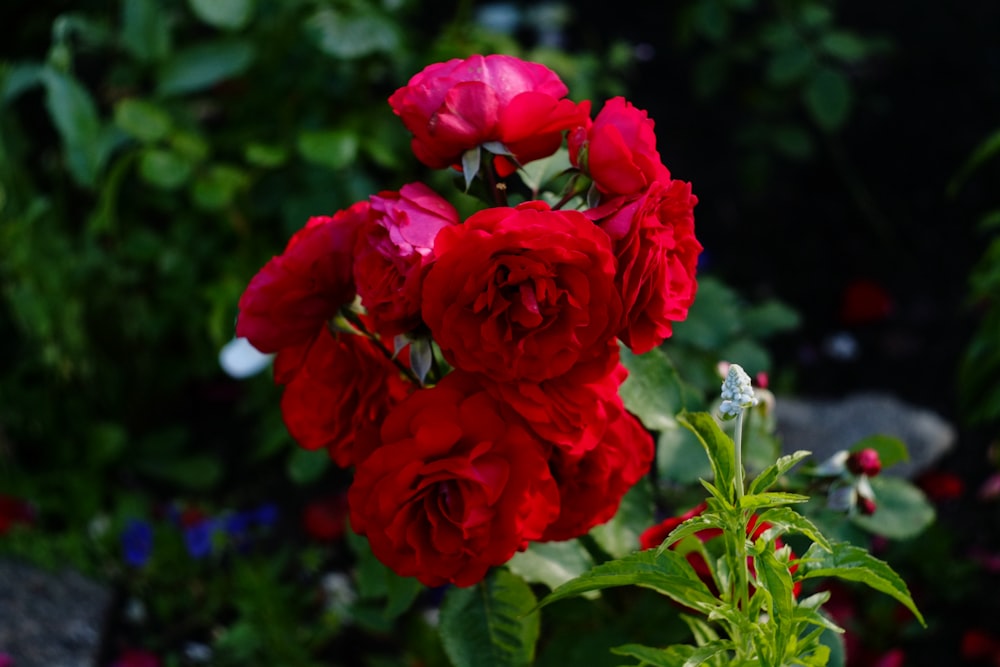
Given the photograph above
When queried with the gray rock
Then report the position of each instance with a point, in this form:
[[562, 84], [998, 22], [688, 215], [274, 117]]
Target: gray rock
[[828, 426], [50, 619]]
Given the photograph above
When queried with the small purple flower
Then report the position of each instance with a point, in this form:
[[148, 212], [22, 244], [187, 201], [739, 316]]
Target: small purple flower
[[198, 538], [137, 542]]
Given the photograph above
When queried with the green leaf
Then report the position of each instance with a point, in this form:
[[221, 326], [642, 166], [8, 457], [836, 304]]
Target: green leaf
[[985, 151], [719, 447], [551, 563], [775, 578], [142, 119], [489, 623], [306, 465], [204, 65], [702, 632], [786, 520], [652, 391], [18, 78], [216, 187], [665, 572], [537, 173], [74, 114], [902, 510], [852, 563], [890, 450], [265, 155], [224, 14], [711, 20], [145, 30], [827, 96], [767, 478], [771, 316], [704, 654], [336, 149], [620, 536], [192, 472], [164, 168], [673, 656], [843, 45], [696, 524], [789, 64], [680, 456], [771, 499]]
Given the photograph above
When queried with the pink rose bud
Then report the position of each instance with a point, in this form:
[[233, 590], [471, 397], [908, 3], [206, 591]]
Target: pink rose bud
[[864, 462]]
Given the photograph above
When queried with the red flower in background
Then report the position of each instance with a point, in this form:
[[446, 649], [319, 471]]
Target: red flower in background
[[657, 252], [137, 658], [455, 487], [522, 293], [326, 519], [295, 293], [618, 150], [654, 536], [457, 105], [14, 511], [393, 249], [346, 384]]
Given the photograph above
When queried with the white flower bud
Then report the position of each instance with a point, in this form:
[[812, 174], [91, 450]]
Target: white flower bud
[[737, 392]]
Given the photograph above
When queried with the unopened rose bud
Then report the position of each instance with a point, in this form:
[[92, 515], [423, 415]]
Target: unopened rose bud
[[866, 506], [864, 462]]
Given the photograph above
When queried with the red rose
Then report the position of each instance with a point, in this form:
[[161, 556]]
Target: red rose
[[653, 237], [344, 385], [654, 536], [394, 246], [289, 299], [454, 488], [570, 411], [455, 106], [591, 486], [618, 150], [522, 293]]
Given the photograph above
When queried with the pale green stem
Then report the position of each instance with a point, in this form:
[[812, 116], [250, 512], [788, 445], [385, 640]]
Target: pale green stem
[[741, 553]]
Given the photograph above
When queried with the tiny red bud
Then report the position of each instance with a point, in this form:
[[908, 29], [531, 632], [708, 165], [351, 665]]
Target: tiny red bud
[[866, 506], [864, 462]]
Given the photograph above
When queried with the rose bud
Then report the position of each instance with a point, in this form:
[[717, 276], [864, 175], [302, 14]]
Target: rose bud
[[864, 462]]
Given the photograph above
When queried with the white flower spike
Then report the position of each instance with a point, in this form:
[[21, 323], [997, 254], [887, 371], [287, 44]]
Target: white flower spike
[[737, 392]]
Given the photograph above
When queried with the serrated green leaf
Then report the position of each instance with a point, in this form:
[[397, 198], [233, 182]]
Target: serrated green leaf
[[696, 524], [666, 572], [142, 119], [827, 96], [489, 623], [551, 563], [204, 65], [673, 656], [786, 520], [225, 14], [706, 653], [902, 510], [718, 446], [890, 450], [766, 479], [771, 499], [853, 563], [331, 148], [652, 391]]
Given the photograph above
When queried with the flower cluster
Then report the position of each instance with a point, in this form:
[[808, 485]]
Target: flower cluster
[[468, 370]]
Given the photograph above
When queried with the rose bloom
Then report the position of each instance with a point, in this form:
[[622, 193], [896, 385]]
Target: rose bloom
[[454, 487], [345, 384], [394, 247], [522, 293], [295, 293], [655, 535], [591, 485], [571, 411], [457, 105], [618, 149], [654, 241]]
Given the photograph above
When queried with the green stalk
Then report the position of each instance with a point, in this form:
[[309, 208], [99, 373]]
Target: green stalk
[[743, 582]]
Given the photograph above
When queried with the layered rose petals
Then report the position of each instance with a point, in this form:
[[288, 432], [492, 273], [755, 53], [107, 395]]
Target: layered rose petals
[[522, 293], [295, 293], [657, 252], [455, 106], [395, 246], [454, 487]]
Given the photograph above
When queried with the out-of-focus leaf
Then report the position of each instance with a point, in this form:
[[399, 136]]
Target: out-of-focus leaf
[[305, 466], [142, 119], [164, 168], [348, 36], [145, 30], [265, 155], [711, 20], [17, 78], [331, 148], [828, 98], [217, 186], [620, 536], [902, 510], [204, 65], [75, 116], [652, 391], [225, 14], [551, 563], [844, 45], [789, 65]]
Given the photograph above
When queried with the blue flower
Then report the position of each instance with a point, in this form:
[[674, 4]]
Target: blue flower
[[198, 538], [266, 515], [137, 542]]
